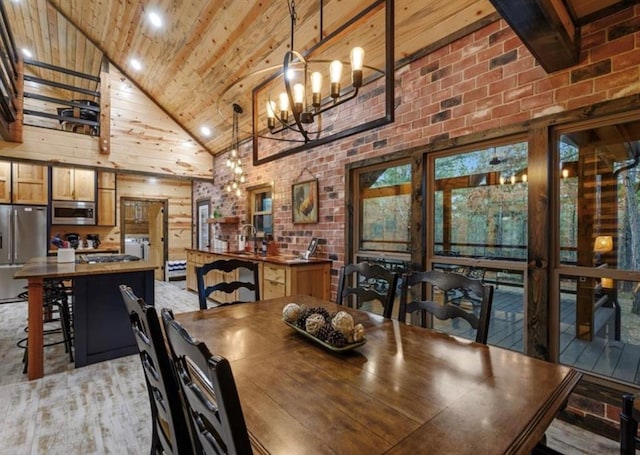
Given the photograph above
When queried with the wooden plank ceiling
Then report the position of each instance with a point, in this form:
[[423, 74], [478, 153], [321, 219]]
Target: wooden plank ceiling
[[204, 45]]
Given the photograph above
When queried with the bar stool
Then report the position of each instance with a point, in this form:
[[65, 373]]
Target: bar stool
[[56, 308]]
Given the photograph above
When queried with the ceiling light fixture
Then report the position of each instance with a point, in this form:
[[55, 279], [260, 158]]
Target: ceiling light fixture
[[26, 52], [135, 64], [155, 19], [234, 162], [297, 102], [300, 81], [205, 130]]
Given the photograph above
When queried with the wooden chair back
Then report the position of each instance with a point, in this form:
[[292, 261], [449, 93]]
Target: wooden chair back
[[227, 287], [210, 392], [453, 285], [367, 282], [170, 430]]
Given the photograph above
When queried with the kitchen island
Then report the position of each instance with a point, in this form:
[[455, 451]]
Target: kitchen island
[[101, 324]]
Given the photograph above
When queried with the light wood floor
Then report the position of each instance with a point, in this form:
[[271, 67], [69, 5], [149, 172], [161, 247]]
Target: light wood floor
[[103, 408]]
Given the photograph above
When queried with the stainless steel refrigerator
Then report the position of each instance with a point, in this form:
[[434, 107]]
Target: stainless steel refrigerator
[[23, 235]]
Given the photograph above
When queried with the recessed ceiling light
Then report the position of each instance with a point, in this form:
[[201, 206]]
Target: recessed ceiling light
[[26, 52], [205, 131], [135, 64], [155, 19]]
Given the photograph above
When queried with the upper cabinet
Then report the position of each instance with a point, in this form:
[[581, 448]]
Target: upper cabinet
[[73, 184], [106, 198], [5, 182], [23, 183]]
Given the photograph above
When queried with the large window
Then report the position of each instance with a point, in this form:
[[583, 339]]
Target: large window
[[260, 203], [599, 248], [478, 227], [480, 203], [384, 208]]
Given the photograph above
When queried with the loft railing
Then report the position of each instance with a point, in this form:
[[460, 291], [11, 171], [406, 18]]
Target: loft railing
[[8, 73], [53, 104]]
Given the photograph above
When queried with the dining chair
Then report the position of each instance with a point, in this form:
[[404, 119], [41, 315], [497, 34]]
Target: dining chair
[[218, 271], [628, 427], [365, 282], [170, 430], [210, 391], [477, 313]]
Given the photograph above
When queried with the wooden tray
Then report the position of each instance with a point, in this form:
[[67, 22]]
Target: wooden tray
[[345, 348]]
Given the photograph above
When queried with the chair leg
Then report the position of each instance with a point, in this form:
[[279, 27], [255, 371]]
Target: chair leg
[[628, 426]]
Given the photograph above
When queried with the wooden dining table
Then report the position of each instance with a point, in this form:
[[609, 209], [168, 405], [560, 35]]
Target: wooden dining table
[[407, 390]]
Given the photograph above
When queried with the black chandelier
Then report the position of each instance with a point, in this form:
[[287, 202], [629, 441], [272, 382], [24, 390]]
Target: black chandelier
[[299, 81]]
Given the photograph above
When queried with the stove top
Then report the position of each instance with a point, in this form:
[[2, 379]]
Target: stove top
[[100, 258]]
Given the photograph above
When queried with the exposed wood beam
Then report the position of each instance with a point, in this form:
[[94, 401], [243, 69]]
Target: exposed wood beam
[[546, 28]]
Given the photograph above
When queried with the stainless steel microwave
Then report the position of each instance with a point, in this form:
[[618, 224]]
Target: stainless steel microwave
[[73, 212]]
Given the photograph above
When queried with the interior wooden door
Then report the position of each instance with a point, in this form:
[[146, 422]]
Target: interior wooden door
[[155, 215]]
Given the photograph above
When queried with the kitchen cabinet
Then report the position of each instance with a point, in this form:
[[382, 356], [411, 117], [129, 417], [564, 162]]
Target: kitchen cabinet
[[5, 182], [106, 198], [279, 276], [73, 184], [29, 184]]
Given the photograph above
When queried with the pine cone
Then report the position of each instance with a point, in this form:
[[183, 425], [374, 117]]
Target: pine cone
[[337, 339], [323, 312], [324, 332], [302, 319]]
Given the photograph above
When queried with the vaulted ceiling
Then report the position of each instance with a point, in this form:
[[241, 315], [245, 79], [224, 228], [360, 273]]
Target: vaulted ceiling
[[205, 45]]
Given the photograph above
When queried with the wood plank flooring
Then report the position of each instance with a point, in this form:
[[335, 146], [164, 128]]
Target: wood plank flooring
[[103, 408]]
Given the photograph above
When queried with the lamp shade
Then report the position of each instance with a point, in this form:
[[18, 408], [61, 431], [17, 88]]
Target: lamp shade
[[603, 244]]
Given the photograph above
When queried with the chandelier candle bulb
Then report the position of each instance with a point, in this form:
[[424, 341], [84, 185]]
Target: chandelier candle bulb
[[357, 63], [298, 97], [316, 88], [271, 114], [284, 107], [335, 73]]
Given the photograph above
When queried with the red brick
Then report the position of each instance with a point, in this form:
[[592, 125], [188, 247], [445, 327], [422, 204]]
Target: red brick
[[518, 92], [556, 80], [502, 85], [462, 43], [626, 60], [574, 91], [489, 102], [534, 74], [475, 94], [623, 44], [489, 124], [513, 43], [464, 63], [489, 77], [476, 70], [452, 80], [490, 52], [617, 79], [586, 100], [593, 39], [489, 29], [536, 101], [519, 117], [506, 109]]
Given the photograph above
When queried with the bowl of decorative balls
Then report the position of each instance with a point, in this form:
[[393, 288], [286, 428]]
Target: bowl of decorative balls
[[336, 332]]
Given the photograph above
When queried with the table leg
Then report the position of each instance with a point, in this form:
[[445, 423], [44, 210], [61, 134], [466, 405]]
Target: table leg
[[35, 323]]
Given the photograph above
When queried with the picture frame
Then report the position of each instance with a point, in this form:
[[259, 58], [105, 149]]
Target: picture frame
[[304, 202]]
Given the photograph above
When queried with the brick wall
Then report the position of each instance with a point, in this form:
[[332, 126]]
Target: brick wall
[[483, 81]]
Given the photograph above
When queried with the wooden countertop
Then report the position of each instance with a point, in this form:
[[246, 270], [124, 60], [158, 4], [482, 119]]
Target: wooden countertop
[[49, 267], [281, 259]]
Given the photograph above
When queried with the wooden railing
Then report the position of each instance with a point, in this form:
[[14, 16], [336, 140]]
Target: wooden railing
[[8, 75]]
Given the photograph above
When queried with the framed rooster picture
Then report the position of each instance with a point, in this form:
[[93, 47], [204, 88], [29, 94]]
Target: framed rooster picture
[[304, 201]]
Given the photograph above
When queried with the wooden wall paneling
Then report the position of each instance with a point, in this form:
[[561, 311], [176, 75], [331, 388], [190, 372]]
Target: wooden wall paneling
[[105, 109], [537, 317], [178, 195]]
